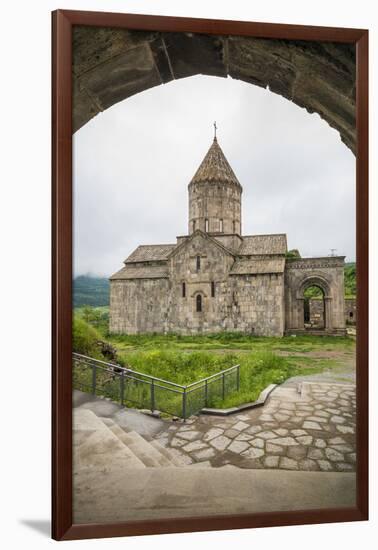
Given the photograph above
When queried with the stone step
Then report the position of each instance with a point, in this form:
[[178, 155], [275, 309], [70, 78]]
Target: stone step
[[174, 461], [129, 443], [148, 454], [107, 421], [154, 493], [96, 446]]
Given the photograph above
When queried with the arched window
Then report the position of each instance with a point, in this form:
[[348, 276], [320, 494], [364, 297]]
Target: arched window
[[183, 290], [198, 263], [212, 289], [234, 226], [206, 225], [194, 225], [198, 302], [221, 226]]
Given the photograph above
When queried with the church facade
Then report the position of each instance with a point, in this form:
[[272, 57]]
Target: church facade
[[215, 279]]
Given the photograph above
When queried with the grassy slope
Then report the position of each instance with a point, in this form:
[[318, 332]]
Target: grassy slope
[[263, 360]]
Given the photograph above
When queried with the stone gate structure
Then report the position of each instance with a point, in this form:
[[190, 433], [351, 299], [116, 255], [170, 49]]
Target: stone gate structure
[[327, 274], [216, 279], [110, 65]]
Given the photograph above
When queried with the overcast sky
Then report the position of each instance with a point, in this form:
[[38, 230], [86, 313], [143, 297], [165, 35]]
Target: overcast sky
[[132, 165]]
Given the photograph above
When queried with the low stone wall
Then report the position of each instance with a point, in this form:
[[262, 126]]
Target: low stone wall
[[316, 307], [350, 311]]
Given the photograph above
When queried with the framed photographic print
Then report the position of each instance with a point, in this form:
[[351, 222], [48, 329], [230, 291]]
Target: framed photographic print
[[210, 260]]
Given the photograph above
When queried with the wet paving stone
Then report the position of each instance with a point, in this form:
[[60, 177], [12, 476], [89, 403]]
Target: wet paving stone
[[305, 439], [315, 454], [296, 452], [212, 433], [310, 430], [253, 453], [288, 463], [259, 443], [238, 446], [220, 443]]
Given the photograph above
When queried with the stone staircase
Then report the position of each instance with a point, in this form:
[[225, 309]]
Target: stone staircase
[[120, 475], [99, 442]]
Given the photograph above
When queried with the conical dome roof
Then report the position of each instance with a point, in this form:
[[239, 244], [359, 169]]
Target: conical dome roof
[[215, 167]]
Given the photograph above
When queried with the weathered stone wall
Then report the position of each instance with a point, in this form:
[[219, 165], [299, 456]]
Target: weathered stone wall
[[110, 65], [326, 273], [215, 264], [231, 242], [257, 304], [316, 312], [350, 311], [247, 303], [215, 202], [139, 306]]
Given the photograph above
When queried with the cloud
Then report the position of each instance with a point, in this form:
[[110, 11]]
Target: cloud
[[132, 165]]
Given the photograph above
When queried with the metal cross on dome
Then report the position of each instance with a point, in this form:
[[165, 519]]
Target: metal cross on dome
[[215, 130]]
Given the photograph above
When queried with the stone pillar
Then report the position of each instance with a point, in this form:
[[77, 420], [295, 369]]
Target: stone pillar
[[328, 321]]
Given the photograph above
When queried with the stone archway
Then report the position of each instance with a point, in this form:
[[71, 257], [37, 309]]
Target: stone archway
[[328, 275], [326, 298], [110, 65]]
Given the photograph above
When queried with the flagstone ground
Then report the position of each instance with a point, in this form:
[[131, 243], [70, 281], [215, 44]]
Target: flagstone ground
[[304, 425]]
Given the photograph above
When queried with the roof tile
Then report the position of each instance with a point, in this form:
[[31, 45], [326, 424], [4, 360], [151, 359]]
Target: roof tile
[[215, 167], [150, 252], [248, 266], [263, 244], [131, 271]]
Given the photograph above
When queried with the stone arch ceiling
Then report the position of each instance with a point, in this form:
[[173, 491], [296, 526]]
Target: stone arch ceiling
[[110, 65]]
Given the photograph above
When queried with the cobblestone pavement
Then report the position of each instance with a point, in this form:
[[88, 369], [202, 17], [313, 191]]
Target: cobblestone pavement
[[306, 426]]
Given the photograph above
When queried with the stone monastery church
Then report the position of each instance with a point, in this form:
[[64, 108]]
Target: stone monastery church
[[216, 279]]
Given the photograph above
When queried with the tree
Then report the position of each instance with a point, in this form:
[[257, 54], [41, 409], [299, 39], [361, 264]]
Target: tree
[[294, 253]]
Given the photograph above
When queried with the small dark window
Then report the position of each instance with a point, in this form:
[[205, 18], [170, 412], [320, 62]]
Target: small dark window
[[234, 226], [183, 290], [351, 314], [207, 226], [198, 263], [198, 302], [194, 225], [212, 289]]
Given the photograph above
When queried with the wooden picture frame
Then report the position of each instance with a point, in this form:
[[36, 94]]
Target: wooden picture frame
[[62, 23]]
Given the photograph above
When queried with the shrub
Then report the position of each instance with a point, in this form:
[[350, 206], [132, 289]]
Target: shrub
[[85, 338]]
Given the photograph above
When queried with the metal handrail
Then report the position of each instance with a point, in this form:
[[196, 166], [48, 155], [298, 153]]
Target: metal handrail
[[132, 371], [220, 373], [128, 370], [155, 382]]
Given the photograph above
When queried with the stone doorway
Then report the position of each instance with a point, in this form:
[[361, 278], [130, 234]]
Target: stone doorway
[[314, 310]]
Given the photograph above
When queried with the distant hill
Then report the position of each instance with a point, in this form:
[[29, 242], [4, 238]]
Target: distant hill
[[90, 291], [94, 291]]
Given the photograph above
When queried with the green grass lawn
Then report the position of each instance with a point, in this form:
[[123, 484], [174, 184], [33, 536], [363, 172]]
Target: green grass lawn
[[186, 359], [257, 370]]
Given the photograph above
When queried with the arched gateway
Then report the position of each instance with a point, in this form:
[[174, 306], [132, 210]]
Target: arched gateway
[[110, 65], [326, 274]]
